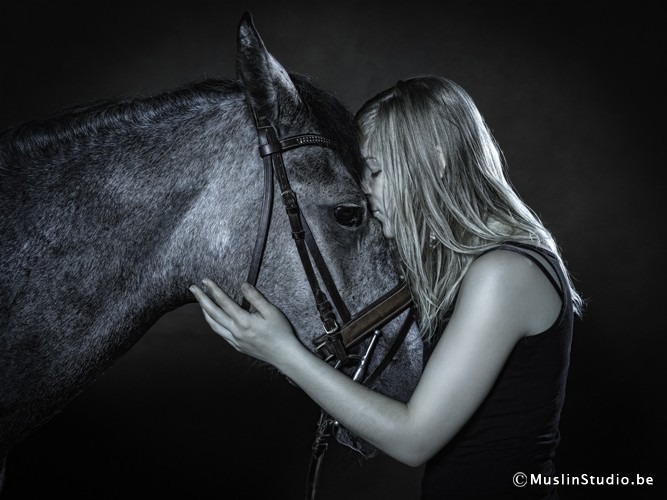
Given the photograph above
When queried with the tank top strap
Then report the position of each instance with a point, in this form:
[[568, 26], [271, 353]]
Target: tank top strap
[[527, 251]]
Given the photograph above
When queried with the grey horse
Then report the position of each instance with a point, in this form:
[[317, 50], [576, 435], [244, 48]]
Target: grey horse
[[108, 211]]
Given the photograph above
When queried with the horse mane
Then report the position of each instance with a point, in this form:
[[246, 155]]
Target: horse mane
[[87, 119], [84, 120]]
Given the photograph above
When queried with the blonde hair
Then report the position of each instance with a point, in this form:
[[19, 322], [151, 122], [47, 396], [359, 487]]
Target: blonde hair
[[446, 179]]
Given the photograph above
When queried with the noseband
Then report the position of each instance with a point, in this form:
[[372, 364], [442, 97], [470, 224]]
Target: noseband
[[342, 333]]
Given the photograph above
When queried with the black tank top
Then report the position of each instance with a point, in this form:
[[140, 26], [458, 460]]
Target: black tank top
[[515, 430]]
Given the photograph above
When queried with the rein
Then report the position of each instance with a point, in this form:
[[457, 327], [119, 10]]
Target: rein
[[333, 345]]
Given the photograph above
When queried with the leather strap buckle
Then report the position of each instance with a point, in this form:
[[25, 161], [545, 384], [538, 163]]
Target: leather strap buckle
[[289, 200]]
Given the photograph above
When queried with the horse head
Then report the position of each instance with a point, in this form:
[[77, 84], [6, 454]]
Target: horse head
[[326, 181]]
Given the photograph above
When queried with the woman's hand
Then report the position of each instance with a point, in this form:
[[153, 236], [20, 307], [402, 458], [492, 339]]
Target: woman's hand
[[265, 334]]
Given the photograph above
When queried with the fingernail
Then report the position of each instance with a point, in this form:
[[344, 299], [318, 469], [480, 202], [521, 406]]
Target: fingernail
[[245, 286], [192, 290]]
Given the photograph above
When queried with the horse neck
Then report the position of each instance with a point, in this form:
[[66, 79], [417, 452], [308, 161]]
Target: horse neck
[[102, 236], [181, 192], [116, 219]]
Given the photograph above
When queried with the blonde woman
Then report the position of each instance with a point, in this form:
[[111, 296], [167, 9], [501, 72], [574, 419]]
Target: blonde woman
[[495, 305]]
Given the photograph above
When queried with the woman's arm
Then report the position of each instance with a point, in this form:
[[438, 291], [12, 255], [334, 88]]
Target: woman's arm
[[495, 308]]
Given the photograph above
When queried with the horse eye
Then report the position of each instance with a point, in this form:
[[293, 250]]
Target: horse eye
[[349, 215]]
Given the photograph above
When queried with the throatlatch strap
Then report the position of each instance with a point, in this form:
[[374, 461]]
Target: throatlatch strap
[[263, 230]]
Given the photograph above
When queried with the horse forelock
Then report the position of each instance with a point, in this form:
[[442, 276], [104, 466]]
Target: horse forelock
[[333, 120]]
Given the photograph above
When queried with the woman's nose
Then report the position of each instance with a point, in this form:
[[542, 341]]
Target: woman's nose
[[365, 186]]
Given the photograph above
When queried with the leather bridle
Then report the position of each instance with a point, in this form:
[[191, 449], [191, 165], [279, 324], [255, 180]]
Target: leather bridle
[[344, 332]]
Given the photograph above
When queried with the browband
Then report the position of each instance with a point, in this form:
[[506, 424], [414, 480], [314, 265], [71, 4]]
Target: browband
[[295, 141]]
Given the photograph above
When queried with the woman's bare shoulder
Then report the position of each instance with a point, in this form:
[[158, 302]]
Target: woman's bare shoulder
[[511, 283], [502, 267]]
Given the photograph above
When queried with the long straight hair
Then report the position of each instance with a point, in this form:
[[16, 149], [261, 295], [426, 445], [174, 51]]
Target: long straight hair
[[446, 181]]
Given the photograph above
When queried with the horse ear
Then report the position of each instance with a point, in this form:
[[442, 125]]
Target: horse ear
[[266, 83]]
